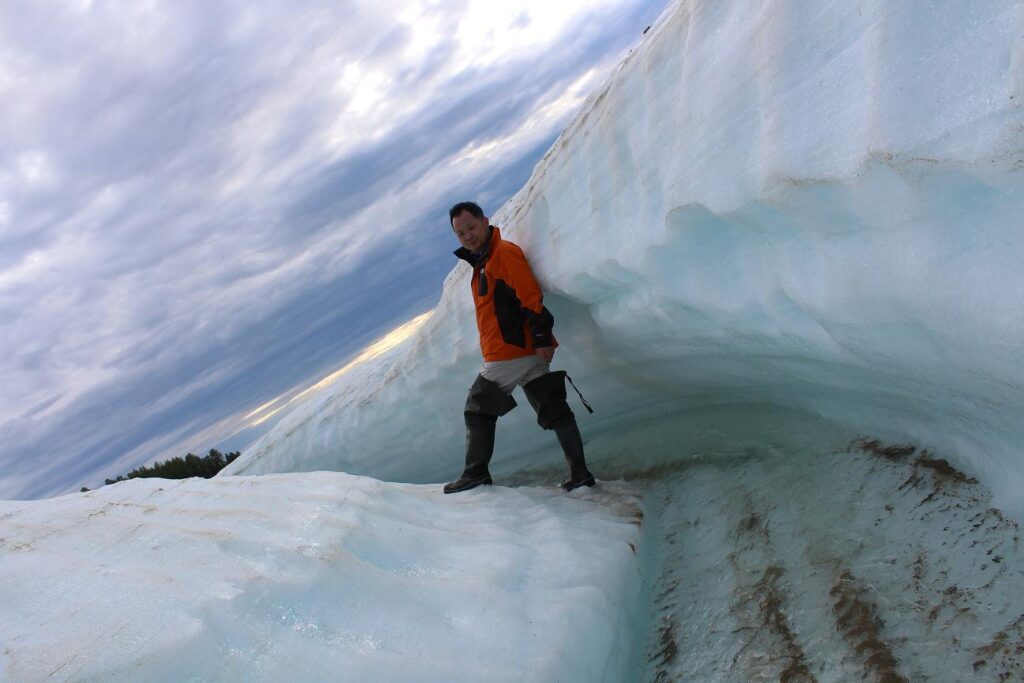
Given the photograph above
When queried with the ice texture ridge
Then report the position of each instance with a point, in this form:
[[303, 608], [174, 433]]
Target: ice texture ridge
[[812, 206]]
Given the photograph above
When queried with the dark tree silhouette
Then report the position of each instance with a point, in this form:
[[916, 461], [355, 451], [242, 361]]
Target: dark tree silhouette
[[182, 468]]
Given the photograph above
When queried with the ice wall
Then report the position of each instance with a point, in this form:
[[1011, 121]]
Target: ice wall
[[810, 206]]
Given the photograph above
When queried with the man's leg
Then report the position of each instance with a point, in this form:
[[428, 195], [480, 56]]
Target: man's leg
[[547, 396], [484, 405]]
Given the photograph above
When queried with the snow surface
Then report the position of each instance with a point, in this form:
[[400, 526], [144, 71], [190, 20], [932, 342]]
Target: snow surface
[[781, 242], [322, 576], [810, 205]]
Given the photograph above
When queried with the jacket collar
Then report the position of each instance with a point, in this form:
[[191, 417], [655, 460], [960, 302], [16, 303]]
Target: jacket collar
[[477, 259]]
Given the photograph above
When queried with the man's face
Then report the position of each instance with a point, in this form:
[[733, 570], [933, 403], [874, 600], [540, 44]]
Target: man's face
[[471, 231]]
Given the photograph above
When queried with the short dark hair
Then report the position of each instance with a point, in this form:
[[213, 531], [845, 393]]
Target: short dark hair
[[472, 207]]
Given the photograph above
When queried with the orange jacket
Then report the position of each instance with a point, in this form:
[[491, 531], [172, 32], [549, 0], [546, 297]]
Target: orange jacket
[[510, 313]]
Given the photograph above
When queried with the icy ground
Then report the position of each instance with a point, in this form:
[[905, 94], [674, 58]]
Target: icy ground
[[320, 576], [810, 554], [826, 558]]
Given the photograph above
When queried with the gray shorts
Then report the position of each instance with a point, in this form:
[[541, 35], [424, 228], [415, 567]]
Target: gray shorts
[[508, 374]]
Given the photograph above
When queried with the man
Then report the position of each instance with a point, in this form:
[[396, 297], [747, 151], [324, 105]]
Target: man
[[517, 346]]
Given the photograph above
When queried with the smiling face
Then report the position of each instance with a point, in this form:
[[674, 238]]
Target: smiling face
[[472, 232]]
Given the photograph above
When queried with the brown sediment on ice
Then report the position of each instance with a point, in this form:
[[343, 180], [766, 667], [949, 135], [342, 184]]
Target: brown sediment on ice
[[762, 606], [1001, 520], [657, 472], [943, 474], [630, 510], [668, 650], [943, 573], [891, 452], [769, 603], [953, 603], [752, 524], [1005, 653], [858, 621], [942, 468]]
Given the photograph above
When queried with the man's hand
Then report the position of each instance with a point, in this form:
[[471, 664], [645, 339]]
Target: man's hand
[[546, 353]]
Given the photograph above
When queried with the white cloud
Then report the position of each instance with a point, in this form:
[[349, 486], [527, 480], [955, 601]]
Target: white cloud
[[35, 168], [491, 33]]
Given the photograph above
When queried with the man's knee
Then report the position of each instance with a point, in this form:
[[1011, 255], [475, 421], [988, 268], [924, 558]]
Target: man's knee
[[547, 396], [488, 400]]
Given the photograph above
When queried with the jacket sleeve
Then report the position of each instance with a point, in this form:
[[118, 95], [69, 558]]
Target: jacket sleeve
[[519, 275]]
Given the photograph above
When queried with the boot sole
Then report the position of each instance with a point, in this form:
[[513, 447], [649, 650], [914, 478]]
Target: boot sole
[[467, 487], [570, 485]]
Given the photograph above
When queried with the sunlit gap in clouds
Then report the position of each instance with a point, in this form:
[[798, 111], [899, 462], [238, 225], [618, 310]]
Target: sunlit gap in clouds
[[377, 348]]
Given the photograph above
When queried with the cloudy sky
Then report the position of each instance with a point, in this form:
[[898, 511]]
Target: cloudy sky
[[206, 205]]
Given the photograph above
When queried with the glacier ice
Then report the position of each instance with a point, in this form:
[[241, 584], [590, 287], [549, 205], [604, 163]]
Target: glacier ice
[[322, 576], [781, 245], [808, 205]]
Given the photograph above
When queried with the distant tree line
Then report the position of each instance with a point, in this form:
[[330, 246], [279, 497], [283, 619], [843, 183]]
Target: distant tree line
[[183, 468]]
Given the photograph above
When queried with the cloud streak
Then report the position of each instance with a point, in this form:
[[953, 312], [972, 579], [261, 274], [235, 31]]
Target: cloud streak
[[203, 205]]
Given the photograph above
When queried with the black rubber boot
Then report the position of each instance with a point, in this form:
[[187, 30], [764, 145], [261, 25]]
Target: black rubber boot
[[484, 405], [479, 447], [547, 396], [572, 445]]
